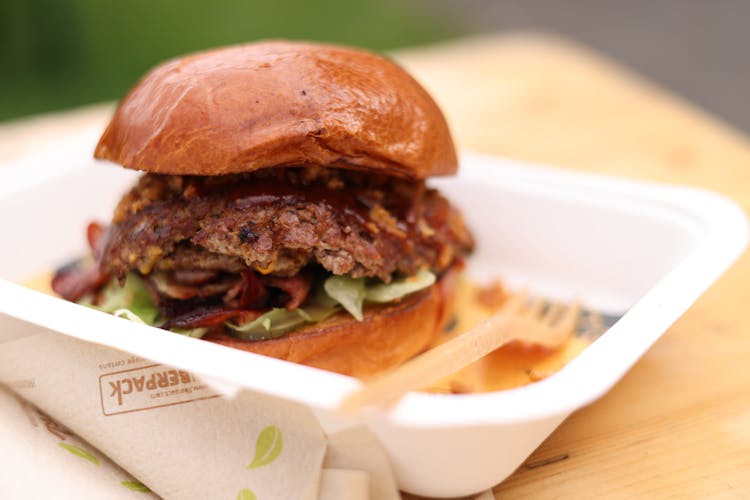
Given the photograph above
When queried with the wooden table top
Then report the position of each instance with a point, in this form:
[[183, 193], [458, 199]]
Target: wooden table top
[[678, 424]]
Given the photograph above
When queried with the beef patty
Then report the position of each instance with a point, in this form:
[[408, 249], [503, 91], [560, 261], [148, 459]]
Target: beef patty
[[278, 221]]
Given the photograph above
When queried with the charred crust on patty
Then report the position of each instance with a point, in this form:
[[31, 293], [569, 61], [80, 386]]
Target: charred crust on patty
[[279, 221]]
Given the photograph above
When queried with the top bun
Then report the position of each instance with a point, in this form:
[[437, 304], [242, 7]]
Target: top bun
[[261, 105]]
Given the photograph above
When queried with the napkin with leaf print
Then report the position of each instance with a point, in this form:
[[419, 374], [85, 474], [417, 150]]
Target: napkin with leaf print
[[43, 459], [166, 428]]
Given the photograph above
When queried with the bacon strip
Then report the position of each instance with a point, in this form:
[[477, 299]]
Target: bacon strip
[[296, 287], [74, 281], [209, 316], [254, 293], [245, 301], [95, 234]]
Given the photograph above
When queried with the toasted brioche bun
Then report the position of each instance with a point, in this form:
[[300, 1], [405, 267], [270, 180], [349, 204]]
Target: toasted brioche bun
[[261, 105], [386, 337]]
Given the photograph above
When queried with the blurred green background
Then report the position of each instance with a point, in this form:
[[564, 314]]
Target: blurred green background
[[56, 54]]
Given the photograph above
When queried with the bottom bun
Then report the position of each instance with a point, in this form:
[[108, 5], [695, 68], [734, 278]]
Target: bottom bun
[[387, 336]]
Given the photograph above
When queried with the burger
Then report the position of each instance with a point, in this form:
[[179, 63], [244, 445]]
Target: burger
[[283, 208]]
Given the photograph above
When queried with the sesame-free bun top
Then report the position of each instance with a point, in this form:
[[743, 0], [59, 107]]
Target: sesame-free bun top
[[260, 105]]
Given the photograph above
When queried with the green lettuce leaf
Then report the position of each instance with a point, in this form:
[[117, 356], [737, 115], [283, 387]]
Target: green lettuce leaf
[[132, 300], [347, 291], [129, 315], [196, 333], [278, 321], [397, 289], [352, 293]]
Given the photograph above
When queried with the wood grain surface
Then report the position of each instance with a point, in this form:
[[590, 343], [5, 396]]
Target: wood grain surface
[[678, 424]]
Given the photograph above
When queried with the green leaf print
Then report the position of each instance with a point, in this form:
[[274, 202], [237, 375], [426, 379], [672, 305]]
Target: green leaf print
[[75, 450], [246, 494], [136, 486], [267, 447]]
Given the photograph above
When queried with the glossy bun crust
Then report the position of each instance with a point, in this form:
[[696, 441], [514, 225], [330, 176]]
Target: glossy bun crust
[[260, 105], [386, 337]]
